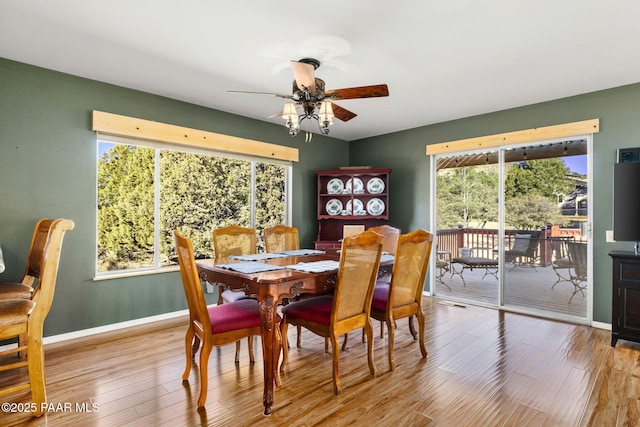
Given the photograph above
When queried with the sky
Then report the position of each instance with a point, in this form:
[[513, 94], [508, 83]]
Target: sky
[[577, 164]]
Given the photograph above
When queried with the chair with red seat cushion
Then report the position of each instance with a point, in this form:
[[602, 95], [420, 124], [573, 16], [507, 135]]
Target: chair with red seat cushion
[[215, 325], [348, 309], [403, 296], [228, 241]]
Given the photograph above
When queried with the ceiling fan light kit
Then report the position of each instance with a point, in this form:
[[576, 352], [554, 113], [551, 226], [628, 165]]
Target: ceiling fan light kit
[[309, 95]]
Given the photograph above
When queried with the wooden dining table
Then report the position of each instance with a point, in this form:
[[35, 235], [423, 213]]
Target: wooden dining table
[[270, 288]]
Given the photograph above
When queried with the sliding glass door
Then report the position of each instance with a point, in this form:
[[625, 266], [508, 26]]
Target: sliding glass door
[[512, 228]]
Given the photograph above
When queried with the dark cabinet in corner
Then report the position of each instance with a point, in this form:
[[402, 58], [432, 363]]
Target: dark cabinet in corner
[[625, 320]]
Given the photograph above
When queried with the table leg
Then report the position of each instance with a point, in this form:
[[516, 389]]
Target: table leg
[[268, 325]]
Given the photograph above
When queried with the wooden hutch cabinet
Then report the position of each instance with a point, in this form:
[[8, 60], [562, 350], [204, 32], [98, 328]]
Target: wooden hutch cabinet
[[350, 197], [625, 321]]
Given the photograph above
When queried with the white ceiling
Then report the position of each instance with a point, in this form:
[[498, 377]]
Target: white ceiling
[[442, 59]]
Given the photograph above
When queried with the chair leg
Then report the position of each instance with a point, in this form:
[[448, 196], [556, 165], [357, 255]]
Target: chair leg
[[335, 347], [204, 374], [189, 343], [285, 348], [391, 324], [299, 339], [369, 330], [412, 328], [278, 349], [381, 330], [420, 317], [346, 340], [237, 358], [35, 356], [252, 359], [195, 347]]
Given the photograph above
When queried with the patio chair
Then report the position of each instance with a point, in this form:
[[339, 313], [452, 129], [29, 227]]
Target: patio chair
[[524, 252], [561, 263], [578, 256]]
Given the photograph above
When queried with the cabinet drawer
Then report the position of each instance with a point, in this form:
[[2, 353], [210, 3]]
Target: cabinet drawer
[[630, 272]]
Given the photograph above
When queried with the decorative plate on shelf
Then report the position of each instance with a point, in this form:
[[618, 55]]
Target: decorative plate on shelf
[[335, 186], [375, 185], [333, 207], [358, 207], [356, 187], [375, 207]]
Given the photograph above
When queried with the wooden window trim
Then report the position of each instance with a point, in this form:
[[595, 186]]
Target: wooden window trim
[[118, 125], [584, 127]]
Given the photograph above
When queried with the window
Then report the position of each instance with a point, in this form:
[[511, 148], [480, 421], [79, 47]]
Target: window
[[147, 189]]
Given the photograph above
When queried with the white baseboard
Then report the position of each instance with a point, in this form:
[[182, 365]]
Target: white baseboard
[[601, 325]]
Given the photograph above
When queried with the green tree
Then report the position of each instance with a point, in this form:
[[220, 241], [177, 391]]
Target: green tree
[[531, 211], [467, 195], [125, 207], [199, 193], [545, 177]]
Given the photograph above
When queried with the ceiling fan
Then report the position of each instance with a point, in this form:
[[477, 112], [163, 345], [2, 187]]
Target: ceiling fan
[[310, 100]]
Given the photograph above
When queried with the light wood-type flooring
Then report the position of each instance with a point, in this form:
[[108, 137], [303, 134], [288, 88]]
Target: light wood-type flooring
[[484, 368]]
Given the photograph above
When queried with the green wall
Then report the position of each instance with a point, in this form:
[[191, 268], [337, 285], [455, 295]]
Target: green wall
[[618, 110], [48, 169], [48, 157]]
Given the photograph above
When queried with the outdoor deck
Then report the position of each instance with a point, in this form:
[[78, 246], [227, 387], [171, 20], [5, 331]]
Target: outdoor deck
[[524, 288]]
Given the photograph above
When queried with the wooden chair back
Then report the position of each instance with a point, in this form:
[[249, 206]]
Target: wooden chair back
[[390, 235], [36, 251], [357, 273], [281, 238], [410, 268], [198, 314], [45, 288], [234, 240]]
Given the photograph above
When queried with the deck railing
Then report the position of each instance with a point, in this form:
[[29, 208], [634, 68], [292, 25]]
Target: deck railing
[[484, 242]]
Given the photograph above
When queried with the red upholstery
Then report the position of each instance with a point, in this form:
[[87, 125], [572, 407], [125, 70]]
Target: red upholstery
[[240, 314], [380, 297], [316, 309]]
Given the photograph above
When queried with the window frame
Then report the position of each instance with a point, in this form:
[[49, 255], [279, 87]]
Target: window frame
[[158, 146]]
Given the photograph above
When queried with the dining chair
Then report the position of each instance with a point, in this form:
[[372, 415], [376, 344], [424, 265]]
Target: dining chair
[[215, 325], [30, 278], [389, 245], [281, 238], [403, 296], [25, 317], [228, 241], [349, 307]]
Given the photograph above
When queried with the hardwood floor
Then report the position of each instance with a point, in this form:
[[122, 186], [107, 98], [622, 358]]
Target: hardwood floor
[[484, 368]]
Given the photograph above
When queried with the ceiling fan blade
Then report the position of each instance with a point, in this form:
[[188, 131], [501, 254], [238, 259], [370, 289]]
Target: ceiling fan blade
[[359, 92], [342, 113], [304, 75], [281, 95]]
